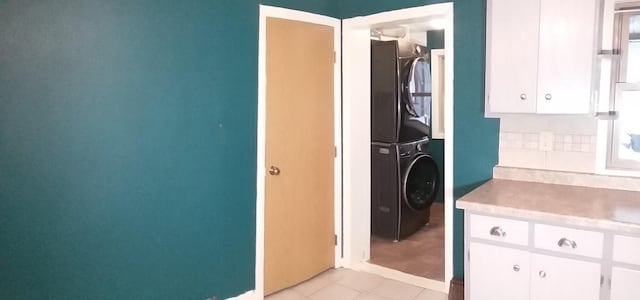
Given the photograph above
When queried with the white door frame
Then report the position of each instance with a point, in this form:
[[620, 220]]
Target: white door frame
[[282, 13], [437, 131], [357, 139]]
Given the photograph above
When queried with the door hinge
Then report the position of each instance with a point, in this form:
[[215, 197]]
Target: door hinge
[[601, 279], [334, 57], [468, 255], [335, 239], [335, 151]]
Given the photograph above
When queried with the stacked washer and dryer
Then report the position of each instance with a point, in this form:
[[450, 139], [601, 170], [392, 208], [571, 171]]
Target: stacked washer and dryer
[[404, 178]]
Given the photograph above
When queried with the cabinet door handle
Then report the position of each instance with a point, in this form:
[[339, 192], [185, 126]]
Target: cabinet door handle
[[542, 274], [497, 231], [547, 96], [516, 268], [523, 96], [565, 242]]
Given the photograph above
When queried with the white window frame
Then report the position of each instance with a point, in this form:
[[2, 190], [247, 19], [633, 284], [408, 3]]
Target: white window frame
[[613, 67]]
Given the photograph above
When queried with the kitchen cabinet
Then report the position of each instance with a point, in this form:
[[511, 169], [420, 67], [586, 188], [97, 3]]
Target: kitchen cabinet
[[573, 242], [555, 278], [540, 56], [625, 284], [498, 273], [554, 262]]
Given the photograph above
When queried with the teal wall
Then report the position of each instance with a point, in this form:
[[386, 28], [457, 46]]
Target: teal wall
[[323, 7], [435, 39], [127, 148], [127, 143], [353, 8], [475, 149], [475, 138]]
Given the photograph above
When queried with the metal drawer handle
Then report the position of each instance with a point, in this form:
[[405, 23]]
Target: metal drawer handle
[[565, 242], [497, 231], [516, 268]]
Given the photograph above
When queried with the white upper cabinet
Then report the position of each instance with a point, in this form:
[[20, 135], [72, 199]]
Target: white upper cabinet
[[512, 55], [540, 56], [566, 56]]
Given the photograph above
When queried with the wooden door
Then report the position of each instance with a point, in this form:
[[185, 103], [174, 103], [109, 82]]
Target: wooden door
[[299, 195], [498, 273]]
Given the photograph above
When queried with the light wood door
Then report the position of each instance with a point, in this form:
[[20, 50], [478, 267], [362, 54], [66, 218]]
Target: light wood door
[[299, 210], [512, 55], [555, 278], [498, 273], [566, 55]]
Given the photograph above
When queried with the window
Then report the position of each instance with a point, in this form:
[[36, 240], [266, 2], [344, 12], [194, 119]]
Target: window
[[623, 130]]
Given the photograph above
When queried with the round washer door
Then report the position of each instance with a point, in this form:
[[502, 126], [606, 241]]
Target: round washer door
[[420, 182]]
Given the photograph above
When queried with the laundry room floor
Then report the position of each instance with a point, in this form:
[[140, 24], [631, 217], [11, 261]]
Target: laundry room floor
[[421, 254]]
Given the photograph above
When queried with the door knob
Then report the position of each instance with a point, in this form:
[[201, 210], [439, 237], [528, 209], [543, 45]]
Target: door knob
[[273, 170]]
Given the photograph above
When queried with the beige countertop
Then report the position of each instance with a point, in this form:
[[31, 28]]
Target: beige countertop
[[601, 208]]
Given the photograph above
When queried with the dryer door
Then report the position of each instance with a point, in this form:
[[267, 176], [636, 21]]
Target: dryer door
[[420, 182], [416, 92]]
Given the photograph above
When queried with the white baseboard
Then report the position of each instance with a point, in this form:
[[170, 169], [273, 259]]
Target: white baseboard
[[249, 295]]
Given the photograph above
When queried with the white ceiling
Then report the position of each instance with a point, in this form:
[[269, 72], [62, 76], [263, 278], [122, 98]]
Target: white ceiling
[[413, 26]]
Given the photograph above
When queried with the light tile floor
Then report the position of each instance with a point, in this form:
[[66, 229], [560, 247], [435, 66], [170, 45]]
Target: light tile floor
[[345, 284]]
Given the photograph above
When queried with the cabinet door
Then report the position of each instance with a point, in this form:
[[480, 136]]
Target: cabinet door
[[566, 55], [625, 284], [512, 52], [498, 273], [555, 278]]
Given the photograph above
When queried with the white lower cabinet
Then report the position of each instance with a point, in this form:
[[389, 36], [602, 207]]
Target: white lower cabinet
[[502, 273], [551, 263], [498, 273], [555, 278], [625, 284]]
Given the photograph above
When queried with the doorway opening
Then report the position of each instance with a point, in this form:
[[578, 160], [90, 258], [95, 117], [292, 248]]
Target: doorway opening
[[418, 248]]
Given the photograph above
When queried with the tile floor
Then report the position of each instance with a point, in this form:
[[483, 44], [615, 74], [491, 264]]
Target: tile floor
[[421, 254], [345, 284]]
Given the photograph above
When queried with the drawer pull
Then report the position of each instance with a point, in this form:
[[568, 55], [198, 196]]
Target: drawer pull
[[565, 242], [516, 268], [497, 231]]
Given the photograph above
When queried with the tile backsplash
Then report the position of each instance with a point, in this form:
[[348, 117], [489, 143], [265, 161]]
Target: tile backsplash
[[560, 142], [563, 143]]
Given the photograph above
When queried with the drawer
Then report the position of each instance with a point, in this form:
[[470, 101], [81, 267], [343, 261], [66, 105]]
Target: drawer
[[499, 229], [625, 249], [567, 240]]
